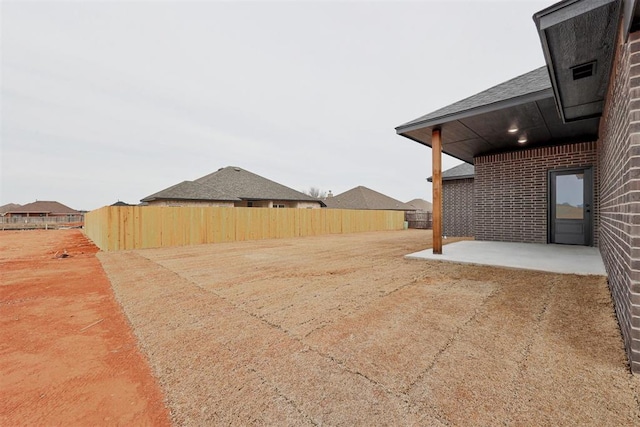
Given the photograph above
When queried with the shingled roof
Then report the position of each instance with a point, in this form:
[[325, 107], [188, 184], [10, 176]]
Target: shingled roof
[[8, 207], [364, 198], [44, 207], [421, 205], [230, 184], [190, 190], [526, 84], [462, 171]]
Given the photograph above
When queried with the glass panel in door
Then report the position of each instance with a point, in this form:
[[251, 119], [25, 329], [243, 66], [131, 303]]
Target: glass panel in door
[[570, 196]]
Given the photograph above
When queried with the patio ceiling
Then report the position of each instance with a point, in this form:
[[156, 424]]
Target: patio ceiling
[[481, 124]]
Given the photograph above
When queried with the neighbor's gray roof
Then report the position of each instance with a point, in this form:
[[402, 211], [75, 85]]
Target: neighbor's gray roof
[[421, 205], [190, 190], [231, 184], [365, 198], [531, 82], [465, 170], [246, 185]]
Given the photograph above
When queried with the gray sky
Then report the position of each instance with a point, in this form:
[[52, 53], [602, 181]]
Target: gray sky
[[103, 101]]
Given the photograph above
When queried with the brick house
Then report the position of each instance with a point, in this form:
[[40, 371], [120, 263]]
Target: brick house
[[457, 199], [556, 151], [42, 209]]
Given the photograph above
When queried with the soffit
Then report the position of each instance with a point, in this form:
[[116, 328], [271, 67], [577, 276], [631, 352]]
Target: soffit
[[487, 132], [578, 40]]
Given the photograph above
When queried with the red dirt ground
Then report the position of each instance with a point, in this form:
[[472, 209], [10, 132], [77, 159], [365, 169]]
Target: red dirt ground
[[67, 353]]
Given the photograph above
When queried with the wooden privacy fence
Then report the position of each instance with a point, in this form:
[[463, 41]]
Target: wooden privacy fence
[[138, 227], [423, 220]]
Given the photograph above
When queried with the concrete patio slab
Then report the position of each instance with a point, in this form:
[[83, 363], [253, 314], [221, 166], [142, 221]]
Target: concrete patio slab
[[565, 259]]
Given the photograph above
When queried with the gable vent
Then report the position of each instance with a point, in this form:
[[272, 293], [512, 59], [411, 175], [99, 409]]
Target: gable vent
[[584, 70]]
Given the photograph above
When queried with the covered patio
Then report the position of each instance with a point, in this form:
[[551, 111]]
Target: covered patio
[[566, 259]]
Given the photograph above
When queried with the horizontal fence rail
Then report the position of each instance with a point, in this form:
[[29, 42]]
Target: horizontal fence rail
[[139, 227]]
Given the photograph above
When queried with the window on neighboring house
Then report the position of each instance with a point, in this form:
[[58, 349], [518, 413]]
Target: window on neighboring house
[[278, 206], [249, 204]]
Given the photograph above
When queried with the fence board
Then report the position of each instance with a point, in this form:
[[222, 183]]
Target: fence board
[[138, 227]]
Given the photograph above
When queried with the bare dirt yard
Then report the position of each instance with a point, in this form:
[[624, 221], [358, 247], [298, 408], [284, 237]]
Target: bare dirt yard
[[341, 330], [67, 354]]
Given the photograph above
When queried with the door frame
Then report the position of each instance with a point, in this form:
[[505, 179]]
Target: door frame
[[588, 200]]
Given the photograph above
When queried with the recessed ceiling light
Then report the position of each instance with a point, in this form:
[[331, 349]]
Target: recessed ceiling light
[[513, 129], [522, 139]]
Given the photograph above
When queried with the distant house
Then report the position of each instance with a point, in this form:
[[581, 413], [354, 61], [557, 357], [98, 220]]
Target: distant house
[[364, 198], [232, 187], [421, 205], [42, 208], [422, 217], [457, 201], [6, 208]]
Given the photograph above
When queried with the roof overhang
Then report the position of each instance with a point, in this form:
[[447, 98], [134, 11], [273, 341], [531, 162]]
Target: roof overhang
[[579, 41], [485, 130], [496, 106]]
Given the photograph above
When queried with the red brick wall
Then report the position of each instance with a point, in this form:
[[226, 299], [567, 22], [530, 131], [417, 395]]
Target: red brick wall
[[457, 207], [511, 191], [619, 158]]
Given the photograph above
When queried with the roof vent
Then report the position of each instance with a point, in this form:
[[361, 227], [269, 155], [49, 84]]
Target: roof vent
[[584, 70], [236, 169]]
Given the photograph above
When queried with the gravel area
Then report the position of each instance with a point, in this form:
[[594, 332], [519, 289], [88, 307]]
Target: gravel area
[[342, 330]]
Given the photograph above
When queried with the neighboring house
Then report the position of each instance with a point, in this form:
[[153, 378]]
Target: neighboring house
[[232, 187], [121, 203], [421, 205], [6, 208], [41, 208], [364, 198], [457, 201], [422, 217], [557, 150]]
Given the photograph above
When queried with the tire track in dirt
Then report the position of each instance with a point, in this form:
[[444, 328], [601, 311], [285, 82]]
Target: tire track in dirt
[[477, 395], [308, 346], [322, 390], [456, 335], [521, 364], [572, 337], [186, 333]]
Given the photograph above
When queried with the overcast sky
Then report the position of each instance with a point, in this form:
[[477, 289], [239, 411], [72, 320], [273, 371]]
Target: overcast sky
[[107, 101]]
